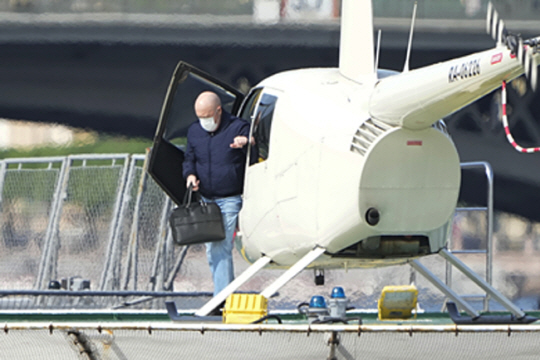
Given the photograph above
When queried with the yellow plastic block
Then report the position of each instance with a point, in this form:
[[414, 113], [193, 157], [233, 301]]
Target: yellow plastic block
[[244, 308], [397, 302]]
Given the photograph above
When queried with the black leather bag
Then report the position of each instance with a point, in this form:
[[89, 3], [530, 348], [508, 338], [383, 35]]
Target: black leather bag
[[196, 222]]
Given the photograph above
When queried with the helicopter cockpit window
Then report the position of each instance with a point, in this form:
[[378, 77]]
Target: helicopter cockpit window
[[261, 126], [248, 108]]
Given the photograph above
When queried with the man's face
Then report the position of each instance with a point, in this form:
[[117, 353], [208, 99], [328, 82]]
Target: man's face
[[209, 119], [207, 115]]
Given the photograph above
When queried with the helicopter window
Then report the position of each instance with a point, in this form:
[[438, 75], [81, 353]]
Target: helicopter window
[[181, 113], [248, 108], [261, 126]]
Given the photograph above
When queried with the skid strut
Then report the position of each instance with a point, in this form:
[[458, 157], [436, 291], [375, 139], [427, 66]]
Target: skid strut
[[493, 293], [293, 271], [255, 268], [233, 286], [518, 316]]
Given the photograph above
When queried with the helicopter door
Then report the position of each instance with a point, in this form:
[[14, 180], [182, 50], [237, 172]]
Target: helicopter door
[[259, 199], [177, 114]]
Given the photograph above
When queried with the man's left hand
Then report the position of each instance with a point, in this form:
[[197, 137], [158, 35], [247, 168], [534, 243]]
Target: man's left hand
[[239, 142]]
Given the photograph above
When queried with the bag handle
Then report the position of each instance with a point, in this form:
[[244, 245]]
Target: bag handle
[[188, 195]]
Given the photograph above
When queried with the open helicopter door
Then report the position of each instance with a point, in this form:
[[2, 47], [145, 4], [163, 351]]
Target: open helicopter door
[[177, 114]]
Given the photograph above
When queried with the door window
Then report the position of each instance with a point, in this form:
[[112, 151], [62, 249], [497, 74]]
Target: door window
[[261, 124], [177, 115], [248, 108]]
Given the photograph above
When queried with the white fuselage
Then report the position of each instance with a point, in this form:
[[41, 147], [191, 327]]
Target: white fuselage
[[352, 143], [319, 180]]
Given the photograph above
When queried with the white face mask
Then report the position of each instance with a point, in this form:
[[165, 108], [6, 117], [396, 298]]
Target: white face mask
[[208, 124]]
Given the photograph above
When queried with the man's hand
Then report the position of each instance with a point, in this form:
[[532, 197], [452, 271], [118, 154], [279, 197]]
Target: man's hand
[[192, 179], [239, 142]]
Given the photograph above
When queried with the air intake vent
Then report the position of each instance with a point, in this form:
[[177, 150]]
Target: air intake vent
[[366, 135]]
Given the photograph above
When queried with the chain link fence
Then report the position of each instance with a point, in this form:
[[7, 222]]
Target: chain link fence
[[84, 222], [28, 200]]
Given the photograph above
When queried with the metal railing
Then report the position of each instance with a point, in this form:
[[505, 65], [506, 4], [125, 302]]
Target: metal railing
[[488, 251]]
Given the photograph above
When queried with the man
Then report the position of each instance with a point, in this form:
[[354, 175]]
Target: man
[[214, 165]]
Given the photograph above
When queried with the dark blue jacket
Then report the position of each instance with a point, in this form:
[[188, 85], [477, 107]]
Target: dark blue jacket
[[209, 156]]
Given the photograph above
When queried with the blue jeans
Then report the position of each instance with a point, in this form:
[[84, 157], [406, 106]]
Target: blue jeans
[[219, 253]]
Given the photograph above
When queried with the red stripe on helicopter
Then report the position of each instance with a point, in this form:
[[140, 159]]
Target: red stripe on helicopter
[[414, 142], [497, 58]]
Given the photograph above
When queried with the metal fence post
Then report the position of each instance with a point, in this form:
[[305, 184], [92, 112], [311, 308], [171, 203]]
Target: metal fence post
[[112, 263], [131, 260], [47, 265], [3, 167], [158, 272]]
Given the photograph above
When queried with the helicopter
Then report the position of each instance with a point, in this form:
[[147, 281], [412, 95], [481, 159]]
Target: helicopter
[[352, 169]]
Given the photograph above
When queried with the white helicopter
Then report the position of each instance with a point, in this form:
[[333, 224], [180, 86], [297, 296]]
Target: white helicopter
[[351, 171]]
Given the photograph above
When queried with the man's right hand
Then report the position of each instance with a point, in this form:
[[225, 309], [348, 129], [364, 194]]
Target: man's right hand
[[192, 179]]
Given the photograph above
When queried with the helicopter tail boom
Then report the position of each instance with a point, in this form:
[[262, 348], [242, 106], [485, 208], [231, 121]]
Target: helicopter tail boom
[[419, 98]]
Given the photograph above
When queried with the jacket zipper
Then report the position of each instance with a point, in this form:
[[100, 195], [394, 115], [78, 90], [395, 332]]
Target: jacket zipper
[[210, 185]]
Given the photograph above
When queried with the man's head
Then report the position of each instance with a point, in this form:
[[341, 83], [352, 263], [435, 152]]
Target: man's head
[[208, 110]]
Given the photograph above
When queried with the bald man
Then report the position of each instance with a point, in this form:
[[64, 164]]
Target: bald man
[[214, 165]]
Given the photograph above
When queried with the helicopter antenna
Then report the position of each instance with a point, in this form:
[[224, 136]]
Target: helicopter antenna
[[406, 67], [379, 34]]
